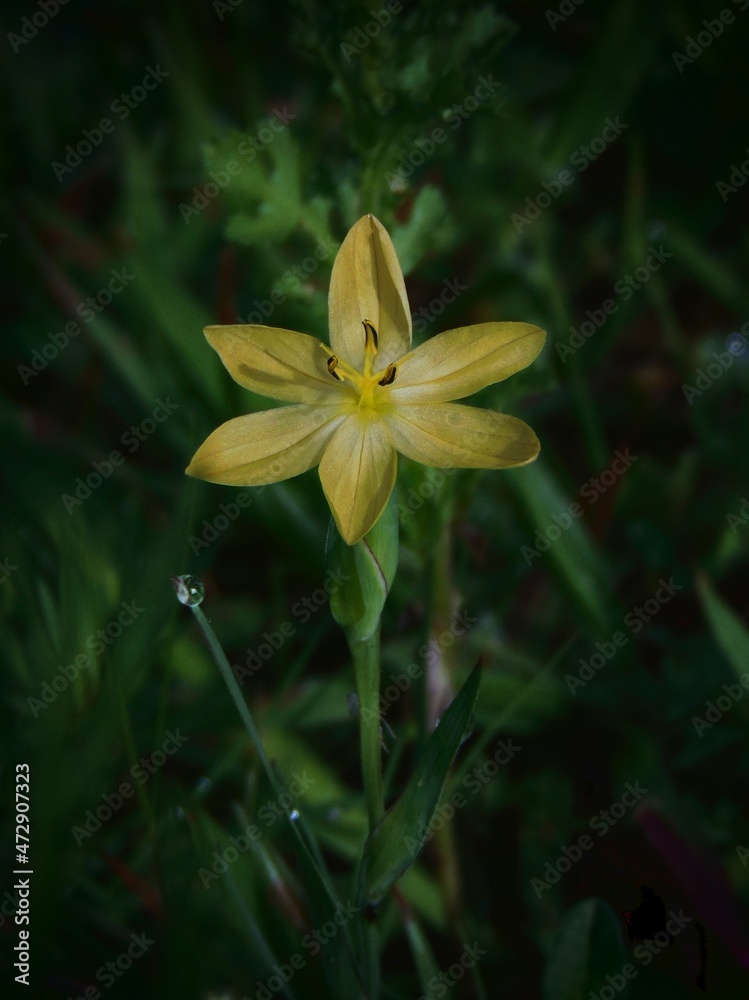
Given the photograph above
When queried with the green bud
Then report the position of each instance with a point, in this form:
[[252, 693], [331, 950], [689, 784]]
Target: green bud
[[368, 567]]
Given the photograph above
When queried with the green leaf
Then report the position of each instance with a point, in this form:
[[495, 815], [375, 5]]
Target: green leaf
[[395, 842], [573, 553], [588, 948], [420, 233], [729, 631]]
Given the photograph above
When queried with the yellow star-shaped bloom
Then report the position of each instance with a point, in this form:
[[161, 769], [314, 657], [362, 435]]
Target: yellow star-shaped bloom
[[368, 396]]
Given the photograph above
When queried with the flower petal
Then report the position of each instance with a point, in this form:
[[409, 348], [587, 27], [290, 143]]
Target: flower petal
[[367, 283], [281, 364], [451, 435], [265, 447], [455, 364], [357, 473]]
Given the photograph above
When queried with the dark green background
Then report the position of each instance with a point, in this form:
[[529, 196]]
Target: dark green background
[[358, 116]]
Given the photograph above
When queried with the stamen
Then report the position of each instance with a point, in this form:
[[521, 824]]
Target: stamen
[[340, 371], [370, 337], [389, 377], [332, 365]]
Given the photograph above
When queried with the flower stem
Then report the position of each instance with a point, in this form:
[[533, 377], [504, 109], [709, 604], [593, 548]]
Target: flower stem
[[366, 657], [241, 705]]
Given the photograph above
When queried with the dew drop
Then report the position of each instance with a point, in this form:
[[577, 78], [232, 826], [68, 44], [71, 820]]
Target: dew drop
[[294, 815], [189, 589]]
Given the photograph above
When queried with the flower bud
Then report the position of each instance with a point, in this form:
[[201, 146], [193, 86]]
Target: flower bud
[[368, 567]]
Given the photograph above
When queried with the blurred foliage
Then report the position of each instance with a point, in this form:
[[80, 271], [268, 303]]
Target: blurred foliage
[[131, 217]]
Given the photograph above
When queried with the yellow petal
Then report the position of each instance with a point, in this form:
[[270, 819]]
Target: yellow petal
[[357, 473], [265, 447], [457, 363], [367, 283], [451, 435], [281, 364]]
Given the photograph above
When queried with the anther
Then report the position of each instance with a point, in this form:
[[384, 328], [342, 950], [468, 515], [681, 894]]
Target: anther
[[370, 336], [332, 365], [389, 377]]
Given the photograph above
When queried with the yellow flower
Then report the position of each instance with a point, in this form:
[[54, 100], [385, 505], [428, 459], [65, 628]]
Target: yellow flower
[[368, 396]]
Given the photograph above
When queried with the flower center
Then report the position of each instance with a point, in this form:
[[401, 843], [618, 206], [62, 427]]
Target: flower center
[[365, 381]]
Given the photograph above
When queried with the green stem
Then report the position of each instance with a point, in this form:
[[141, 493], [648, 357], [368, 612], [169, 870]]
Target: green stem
[[307, 848], [241, 705], [366, 657]]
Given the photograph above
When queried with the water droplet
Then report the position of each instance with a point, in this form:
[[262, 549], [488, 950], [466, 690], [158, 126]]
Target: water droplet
[[294, 815], [189, 589], [203, 784]]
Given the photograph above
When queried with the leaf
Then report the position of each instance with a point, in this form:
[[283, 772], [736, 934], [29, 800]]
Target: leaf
[[729, 630], [422, 231], [588, 948], [573, 552], [397, 839]]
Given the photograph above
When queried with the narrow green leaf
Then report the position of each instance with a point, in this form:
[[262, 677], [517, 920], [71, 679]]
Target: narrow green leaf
[[427, 968], [573, 553], [588, 948], [394, 844], [729, 631]]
